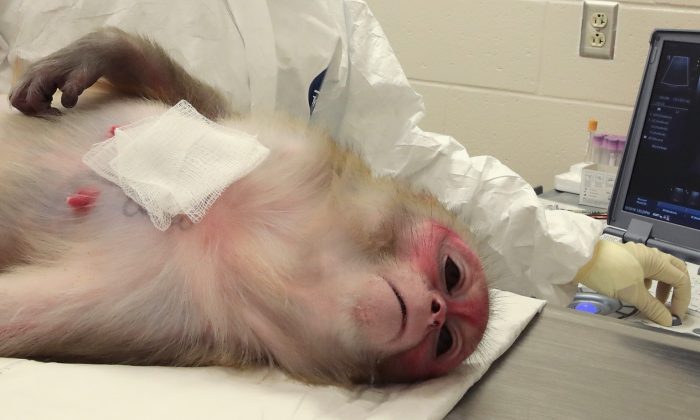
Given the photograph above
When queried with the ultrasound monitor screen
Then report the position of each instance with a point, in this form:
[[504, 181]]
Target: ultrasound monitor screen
[[665, 181]]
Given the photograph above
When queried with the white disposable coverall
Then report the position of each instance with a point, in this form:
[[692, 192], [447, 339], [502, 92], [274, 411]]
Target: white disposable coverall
[[269, 56]]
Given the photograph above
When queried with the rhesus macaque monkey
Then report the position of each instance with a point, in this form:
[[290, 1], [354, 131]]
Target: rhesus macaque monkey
[[308, 263]]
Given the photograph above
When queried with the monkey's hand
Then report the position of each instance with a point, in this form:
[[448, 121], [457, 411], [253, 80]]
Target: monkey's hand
[[133, 65], [68, 70], [625, 271]]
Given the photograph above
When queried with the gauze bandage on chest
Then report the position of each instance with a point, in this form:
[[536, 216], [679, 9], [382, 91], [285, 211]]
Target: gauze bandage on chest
[[175, 163]]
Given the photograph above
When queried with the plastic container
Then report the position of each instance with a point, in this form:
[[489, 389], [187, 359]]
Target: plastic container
[[592, 127], [615, 147], [598, 148], [610, 147], [621, 143]]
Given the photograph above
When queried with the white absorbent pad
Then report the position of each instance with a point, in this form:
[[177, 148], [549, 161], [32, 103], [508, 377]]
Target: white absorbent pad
[[32, 390], [175, 163]]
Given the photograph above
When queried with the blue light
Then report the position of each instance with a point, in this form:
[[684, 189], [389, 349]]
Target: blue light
[[589, 307]]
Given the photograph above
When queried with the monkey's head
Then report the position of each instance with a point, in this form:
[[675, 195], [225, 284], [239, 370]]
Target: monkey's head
[[409, 292], [384, 285], [427, 309]]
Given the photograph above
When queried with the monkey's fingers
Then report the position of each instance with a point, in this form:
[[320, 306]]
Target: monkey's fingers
[[75, 83], [34, 93], [31, 98]]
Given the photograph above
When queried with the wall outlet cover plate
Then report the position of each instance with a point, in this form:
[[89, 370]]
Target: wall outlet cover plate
[[598, 29]]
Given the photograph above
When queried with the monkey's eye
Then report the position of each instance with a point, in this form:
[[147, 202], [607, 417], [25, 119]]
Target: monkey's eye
[[444, 343], [452, 274]]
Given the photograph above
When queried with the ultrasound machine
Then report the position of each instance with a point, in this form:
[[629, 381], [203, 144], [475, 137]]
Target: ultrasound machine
[[656, 199]]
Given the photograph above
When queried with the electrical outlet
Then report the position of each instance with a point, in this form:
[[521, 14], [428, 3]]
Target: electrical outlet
[[598, 29], [599, 20], [598, 40]]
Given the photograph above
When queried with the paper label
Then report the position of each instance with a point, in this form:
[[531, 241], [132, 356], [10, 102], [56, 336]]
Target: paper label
[[597, 183]]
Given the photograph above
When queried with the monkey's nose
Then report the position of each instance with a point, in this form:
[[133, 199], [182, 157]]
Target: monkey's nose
[[438, 311]]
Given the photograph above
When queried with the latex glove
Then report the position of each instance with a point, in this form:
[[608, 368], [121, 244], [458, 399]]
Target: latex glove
[[625, 271]]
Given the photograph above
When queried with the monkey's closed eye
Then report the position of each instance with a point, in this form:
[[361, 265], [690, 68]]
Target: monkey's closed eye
[[444, 343], [452, 274]]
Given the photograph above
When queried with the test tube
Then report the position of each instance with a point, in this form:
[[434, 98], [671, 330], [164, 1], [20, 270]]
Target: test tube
[[592, 127], [604, 157], [607, 155], [611, 145], [620, 149], [598, 146]]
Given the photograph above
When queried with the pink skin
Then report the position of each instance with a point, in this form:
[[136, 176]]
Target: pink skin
[[83, 199], [429, 306], [112, 129]]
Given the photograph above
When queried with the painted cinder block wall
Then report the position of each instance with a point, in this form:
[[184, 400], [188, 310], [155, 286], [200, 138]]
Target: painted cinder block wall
[[504, 77]]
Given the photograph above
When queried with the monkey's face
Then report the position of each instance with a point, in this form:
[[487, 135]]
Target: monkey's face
[[423, 309], [441, 294]]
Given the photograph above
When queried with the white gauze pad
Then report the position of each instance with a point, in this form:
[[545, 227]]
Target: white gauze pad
[[175, 163]]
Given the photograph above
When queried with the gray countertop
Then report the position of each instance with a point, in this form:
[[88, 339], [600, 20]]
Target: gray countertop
[[570, 365]]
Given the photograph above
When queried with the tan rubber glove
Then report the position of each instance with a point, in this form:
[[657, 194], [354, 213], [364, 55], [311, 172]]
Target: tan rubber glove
[[625, 271]]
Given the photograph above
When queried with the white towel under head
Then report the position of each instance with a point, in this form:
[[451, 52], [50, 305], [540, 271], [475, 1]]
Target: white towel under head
[[176, 163]]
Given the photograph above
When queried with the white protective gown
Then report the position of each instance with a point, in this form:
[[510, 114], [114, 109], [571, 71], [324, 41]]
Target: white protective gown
[[328, 61]]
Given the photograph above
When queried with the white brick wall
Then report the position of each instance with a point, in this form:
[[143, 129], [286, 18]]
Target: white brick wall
[[504, 76]]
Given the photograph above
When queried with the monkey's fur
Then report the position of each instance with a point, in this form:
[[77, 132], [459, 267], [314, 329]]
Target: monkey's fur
[[281, 271]]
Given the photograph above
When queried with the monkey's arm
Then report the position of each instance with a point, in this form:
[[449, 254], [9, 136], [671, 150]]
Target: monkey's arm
[[133, 65]]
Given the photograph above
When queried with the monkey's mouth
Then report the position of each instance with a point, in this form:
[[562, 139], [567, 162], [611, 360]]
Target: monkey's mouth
[[402, 304]]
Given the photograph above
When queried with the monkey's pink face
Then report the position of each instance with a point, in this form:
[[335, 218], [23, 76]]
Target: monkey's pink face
[[428, 311]]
